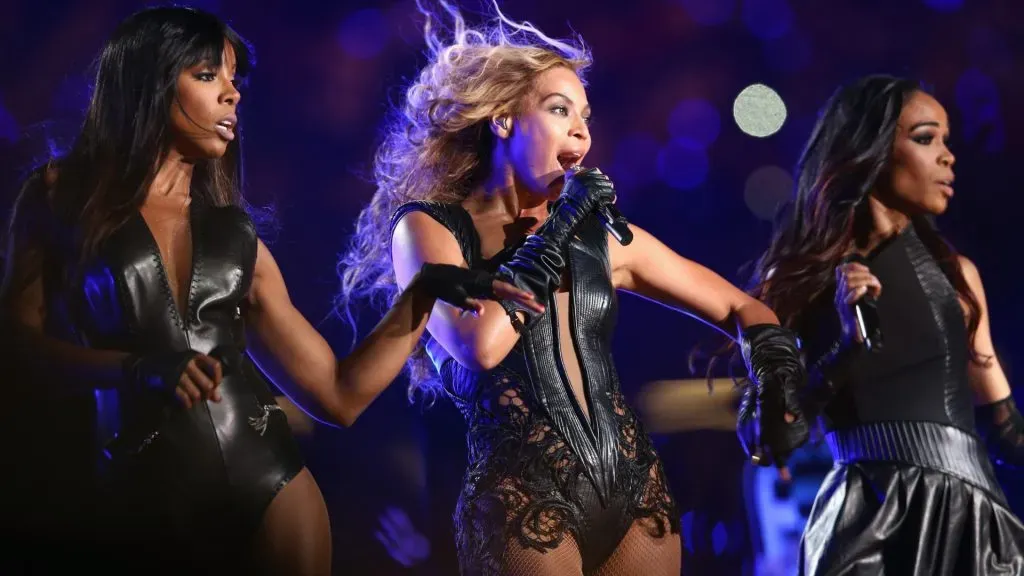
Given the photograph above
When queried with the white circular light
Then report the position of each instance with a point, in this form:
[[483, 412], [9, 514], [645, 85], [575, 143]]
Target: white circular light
[[759, 111]]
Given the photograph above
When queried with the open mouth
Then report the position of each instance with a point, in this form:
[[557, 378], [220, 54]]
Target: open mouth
[[225, 129], [947, 186], [569, 160]]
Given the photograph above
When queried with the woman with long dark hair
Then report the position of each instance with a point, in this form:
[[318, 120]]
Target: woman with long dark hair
[[896, 334], [134, 267], [478, 169]]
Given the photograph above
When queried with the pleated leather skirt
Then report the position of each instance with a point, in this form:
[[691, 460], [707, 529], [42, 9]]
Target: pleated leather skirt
[[910, 499]]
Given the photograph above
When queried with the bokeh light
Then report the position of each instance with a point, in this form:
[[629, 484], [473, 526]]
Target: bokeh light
[[682, 165], [695, 121], [635, 163], [364, 33], [719, 538], [759, 111], [977, 98], [767, 189], [768, 19]]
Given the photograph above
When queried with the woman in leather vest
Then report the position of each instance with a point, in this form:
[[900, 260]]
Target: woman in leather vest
[[896, 334], [562, 478], [136, 269]]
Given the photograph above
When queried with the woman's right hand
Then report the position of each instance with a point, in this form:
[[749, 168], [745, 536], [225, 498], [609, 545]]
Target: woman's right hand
[[199, 381], [191, 377], [853, 282], [587, 189]]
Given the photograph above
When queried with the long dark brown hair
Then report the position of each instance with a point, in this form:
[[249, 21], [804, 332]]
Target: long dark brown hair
[[105, 176], [849, 149]]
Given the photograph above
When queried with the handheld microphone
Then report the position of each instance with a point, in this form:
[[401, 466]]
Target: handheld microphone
[[615, 223], [865, 313]]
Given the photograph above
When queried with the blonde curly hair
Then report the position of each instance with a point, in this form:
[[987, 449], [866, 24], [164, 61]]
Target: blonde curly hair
[[437, 145]]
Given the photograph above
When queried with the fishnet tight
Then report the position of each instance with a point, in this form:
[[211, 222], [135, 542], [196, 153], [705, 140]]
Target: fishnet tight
[[637, 553], [641, 553]]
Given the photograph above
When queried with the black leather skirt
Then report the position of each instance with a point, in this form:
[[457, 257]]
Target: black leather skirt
[[913, 499]]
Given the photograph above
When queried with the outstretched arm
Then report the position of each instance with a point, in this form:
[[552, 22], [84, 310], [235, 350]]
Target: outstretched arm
[[650, 269], [771, 423], [338, 391], [304, 366]]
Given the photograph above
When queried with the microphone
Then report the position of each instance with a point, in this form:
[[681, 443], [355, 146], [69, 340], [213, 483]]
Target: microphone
[[615, 223], [865, 313]]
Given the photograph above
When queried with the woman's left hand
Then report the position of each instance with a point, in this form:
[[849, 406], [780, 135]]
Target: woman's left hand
[[467, 289]]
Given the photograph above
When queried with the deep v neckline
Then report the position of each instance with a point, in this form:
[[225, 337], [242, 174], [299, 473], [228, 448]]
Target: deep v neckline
[[181, 310]]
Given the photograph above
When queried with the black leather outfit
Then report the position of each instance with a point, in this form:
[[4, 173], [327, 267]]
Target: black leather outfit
[[912, 490], [539, 469], [202, 476]]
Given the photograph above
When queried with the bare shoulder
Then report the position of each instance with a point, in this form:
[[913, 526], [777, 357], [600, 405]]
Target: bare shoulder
[[419, 229], [972, 276], [418, 238], [970, 270]]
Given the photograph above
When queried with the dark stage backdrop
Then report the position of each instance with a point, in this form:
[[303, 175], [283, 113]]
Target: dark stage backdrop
[[670, 88]]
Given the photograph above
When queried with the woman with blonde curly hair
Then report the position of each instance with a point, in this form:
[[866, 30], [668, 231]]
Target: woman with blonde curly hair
[[480, 169]]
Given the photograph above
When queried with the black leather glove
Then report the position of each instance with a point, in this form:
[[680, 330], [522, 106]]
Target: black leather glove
[[158, 372], [455, 284], [1002, 428], [771, 423], [537, 265]]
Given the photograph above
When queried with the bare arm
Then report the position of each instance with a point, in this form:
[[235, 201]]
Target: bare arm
[[650, 269], [330, 390], [998, 419], [988, 381], [771, 424], [477, 342]]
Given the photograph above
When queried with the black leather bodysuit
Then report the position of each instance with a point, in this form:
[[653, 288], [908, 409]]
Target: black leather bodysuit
[[926, 349], [214, 469], [539, 468], [912, 491]]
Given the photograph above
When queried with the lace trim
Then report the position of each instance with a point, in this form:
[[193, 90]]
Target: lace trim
[[521, 483]]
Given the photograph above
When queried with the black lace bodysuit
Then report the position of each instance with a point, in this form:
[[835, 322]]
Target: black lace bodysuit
[[540, 468]]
